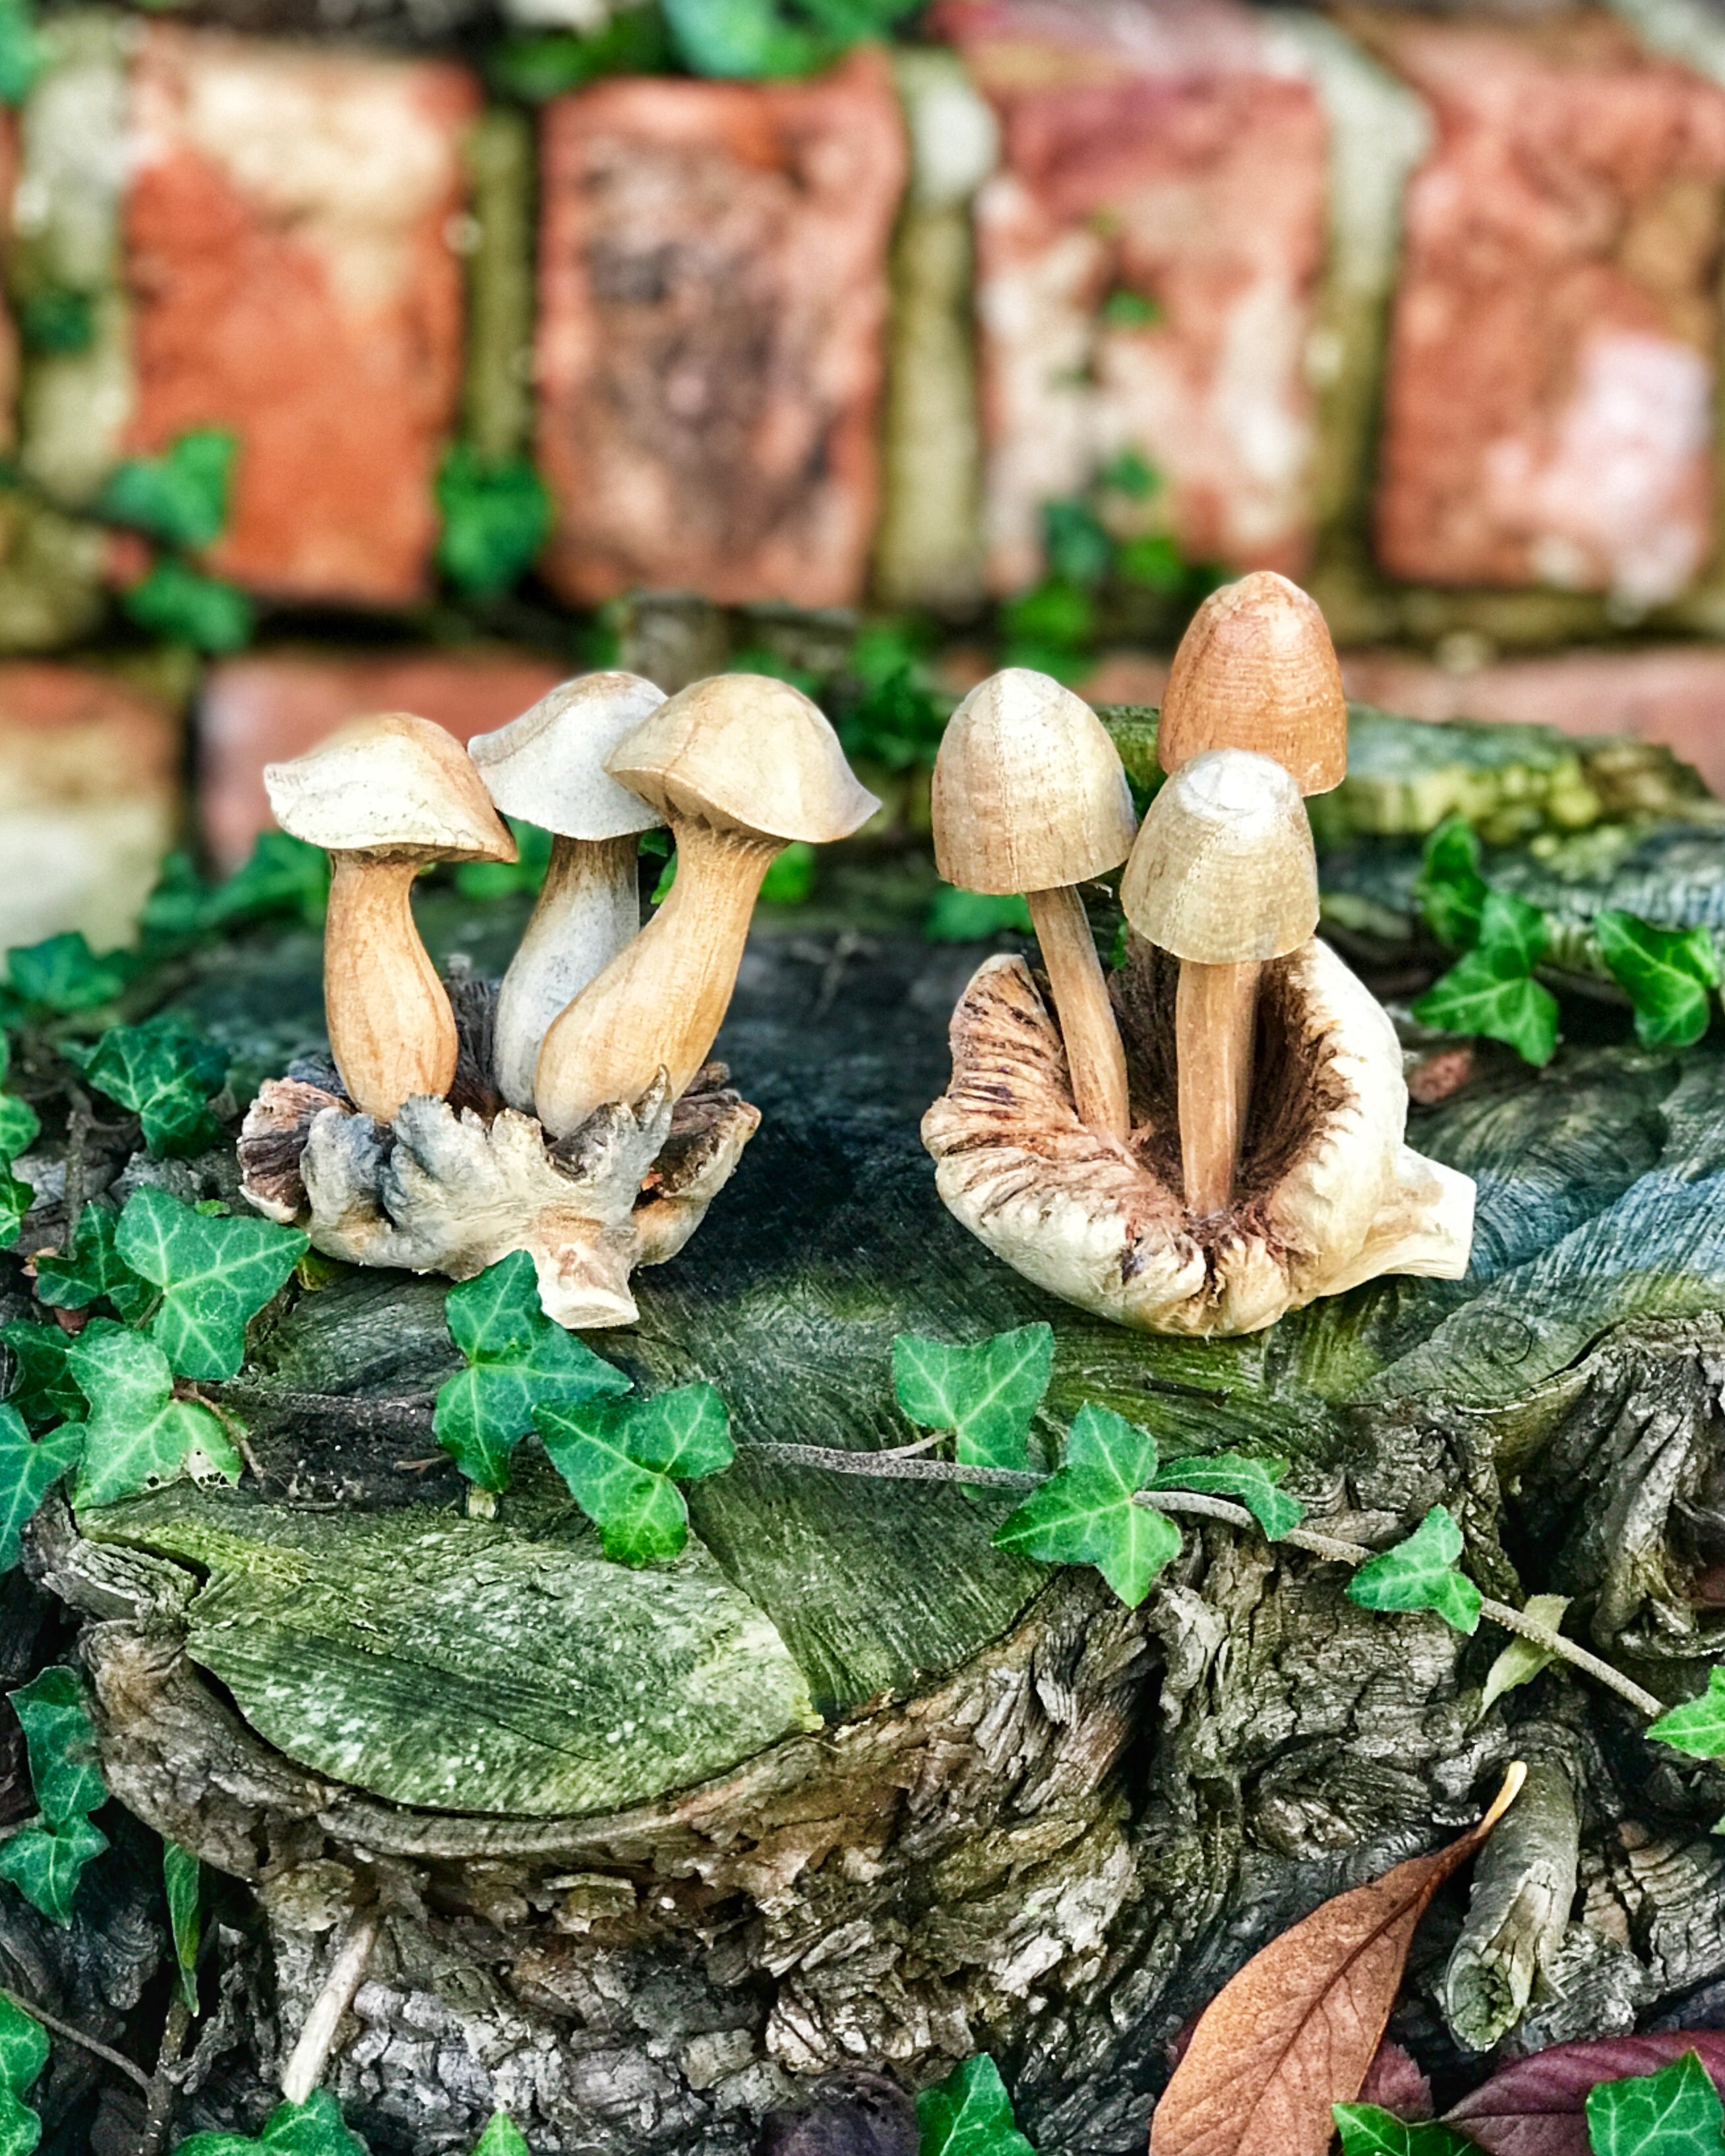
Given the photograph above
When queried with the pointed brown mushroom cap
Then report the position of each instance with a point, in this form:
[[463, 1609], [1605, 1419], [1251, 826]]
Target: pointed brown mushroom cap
[[392, 785], [1257, 670], [1224, 869], [548, 765], [1030, 793], [749, 751]]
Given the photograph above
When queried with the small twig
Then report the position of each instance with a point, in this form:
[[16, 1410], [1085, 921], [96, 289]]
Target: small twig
[[311, 2055], [165, 2083], [80, 1125], [58, 2028]]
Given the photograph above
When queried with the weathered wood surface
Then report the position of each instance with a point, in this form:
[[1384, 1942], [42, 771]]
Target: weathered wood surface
[[1028, 1820]]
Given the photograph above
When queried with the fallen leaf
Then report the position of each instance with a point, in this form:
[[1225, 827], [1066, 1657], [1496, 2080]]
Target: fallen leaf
[[1394, 2080], [1538, 2106], [1295, 2030]]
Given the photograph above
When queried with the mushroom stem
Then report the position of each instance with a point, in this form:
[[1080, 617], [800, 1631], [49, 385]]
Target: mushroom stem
[[1215, 1009], [589, 908], [661, 1000], [1094, 1058], [391, 1031]]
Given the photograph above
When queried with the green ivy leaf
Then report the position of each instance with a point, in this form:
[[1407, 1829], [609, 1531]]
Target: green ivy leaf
[[179, 605], [1490, 990], [312, 2128], [1697, 1726], [93, 1272], [46, 1864], [24, 2049], [1451, 891], [183, 1886], [1521, 1660], [28, 1470], [166, 1078], [745, 39], [283, 876], [618, 1458], [1125, 309], [1253, 1482], [1079, 549], [61, 1740], [790, 880], [1419, 1573], [1670, 974], [42, 1390], [138, 1433], [502, 2137], [21, 56], [970, 2114], [62, 974], [1367, 2131], [1674, 2113], [518, 1361], [181, 495], [20, 1126], [545, 64], [987, 1394], [496, 515], [972, 916], [215, 1274], [1085, 1513], [20, 2128]]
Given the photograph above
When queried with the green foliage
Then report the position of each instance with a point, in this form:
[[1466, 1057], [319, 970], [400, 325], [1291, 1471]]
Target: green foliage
[[502, 2137], [1253, 1480], [972, 916], [61, 1741], [312, 2128], [1452, 890], [1126, 309], [182, 1888], [765, 40], [282, 876], [895, 716], [181, 495], [21, 56], [29, 1468], [215, 1274], [182, 605], [1697, 1726], [1670, 974], [92, 1271], [987, 1394], [1367, 2131], [42, 1389], [545, 64], [138, 1434], [23, 2053], [970, 2114], [46, 1864], [1419, 1573], [1086, 1514], [166, 1077], [62, 974], [20, 1126], [1079, 549], [496, 515], [622, 1460], [1154, 560], [486, 879], [56, 321], [1522, 1660], [517, 1362], [1674, 2113], [1051, 627], [791, 878], [1490, 990]]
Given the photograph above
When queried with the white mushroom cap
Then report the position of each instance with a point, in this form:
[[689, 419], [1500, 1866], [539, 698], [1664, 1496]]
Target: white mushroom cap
[[1223, 870], [746, 751], [1030, 793], [389, 785], [548, 765]]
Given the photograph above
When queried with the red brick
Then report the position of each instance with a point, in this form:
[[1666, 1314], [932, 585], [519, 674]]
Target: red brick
[[89, 801], [287, 237], [1169, 151], [1674, 694], [259, 709], [1551, 372], [712, 305]]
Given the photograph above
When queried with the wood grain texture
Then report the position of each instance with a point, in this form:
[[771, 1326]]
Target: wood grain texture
[[1093, 1055], [589, 908], [1215, 1010], [391, 1031]]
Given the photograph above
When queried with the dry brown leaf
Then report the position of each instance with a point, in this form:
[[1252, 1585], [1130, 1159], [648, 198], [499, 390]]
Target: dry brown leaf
[[1295, 2031]]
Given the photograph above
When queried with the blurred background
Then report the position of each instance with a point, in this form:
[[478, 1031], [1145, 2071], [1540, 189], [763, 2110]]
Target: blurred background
[[373, 354]]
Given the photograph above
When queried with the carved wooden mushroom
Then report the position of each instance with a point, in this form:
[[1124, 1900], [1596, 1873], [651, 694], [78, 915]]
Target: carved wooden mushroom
[[739, 766], [548, 766], [1030, 796], [386, 796], [1222, 876]]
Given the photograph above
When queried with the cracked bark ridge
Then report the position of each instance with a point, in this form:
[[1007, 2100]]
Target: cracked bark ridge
[[1329, 1194]]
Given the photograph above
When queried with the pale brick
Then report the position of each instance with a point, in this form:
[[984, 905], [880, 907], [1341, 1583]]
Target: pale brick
[[713, 304], [288, 230]]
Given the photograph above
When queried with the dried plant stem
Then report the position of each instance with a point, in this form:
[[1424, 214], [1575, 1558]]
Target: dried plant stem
[[58, 2028], [311, 2055], [164, 2082]]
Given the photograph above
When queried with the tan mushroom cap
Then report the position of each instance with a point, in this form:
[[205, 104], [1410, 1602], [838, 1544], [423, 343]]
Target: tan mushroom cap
[[748, 751], [1030, 793], [1257, 670], [1224, 869], [548, 765], [390, 785]]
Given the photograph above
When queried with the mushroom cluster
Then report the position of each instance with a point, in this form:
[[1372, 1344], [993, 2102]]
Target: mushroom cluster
[[1215, 1136], [572, 1111]]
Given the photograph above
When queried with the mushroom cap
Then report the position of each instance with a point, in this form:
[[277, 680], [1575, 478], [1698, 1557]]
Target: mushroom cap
[[1257, 670], [393, 786], [746, 751], [549, 764], [1029, 790], [1224, 869]]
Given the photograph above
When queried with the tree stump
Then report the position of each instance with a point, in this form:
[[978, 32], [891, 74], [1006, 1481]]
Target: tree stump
[[845, 1786]]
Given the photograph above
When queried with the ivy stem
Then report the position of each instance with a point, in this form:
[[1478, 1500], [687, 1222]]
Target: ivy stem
[[58, 2028]]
